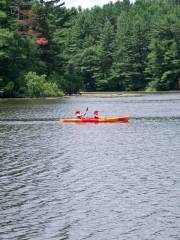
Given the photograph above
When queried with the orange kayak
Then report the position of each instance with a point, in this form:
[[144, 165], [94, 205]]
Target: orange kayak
[[99, 120]]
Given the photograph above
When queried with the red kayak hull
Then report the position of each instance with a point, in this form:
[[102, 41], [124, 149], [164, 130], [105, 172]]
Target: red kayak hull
[[99, 120]]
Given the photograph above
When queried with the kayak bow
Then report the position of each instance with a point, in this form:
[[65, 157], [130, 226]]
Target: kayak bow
[[99, 120]]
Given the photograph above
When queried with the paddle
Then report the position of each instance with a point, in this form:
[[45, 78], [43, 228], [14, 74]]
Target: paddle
[[86, 111]]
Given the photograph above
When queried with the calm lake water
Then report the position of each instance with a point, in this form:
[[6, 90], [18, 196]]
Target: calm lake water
[[90, 181]]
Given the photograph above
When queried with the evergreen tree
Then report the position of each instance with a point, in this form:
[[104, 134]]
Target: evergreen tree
[[164, 57], [120, 46], [105, 55]]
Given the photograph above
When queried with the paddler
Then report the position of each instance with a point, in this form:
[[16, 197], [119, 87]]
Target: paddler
[[79, 115], [96, 114], [87, 115]]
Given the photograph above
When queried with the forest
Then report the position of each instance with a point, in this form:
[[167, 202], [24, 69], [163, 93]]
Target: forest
[[47, 49]]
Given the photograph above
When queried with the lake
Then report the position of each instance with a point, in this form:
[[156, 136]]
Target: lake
[[90, 181]]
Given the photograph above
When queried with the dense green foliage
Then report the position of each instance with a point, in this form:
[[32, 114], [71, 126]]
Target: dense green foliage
[[122, 46], [37, 86]]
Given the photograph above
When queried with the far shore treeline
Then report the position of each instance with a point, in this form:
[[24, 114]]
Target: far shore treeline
[[121, 46]]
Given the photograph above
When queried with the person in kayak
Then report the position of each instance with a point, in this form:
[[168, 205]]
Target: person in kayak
[[79, 115], [87, 115], [96, 114]]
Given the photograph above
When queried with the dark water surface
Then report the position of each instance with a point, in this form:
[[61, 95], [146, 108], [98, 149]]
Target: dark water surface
[[90, 181]]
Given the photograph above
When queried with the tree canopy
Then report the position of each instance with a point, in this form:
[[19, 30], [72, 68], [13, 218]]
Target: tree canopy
[[121, 46]]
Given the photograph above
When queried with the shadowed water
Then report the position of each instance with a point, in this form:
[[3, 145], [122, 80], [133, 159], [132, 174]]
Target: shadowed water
[[90, 181]]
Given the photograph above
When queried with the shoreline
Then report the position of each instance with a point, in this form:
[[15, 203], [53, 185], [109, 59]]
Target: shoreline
[[124, 94], [98, 94]]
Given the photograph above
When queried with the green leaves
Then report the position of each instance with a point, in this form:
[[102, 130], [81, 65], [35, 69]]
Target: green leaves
[[3, 15], [37, 86], [163, 59], [6, 39], [122, 46]]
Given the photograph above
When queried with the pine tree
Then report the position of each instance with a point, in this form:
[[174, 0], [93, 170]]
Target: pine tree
[[164, 58], [105, 56]]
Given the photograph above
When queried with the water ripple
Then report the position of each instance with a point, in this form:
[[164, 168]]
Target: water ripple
[[106, 181]]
